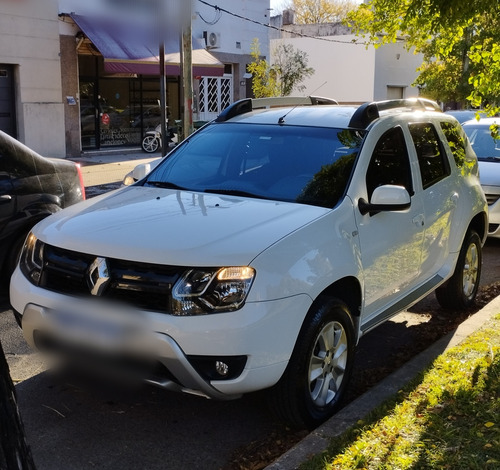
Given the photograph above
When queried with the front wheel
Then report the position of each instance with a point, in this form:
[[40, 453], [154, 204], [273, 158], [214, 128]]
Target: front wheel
[[459, 292], [314, 382], [150, 144]]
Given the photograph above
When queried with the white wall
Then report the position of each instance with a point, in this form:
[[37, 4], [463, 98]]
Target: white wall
[[342, 70], [29, 39], [234, 30], [395, 66], [354, 73]]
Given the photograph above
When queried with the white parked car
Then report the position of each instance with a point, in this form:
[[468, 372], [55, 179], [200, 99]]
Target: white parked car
[[487, 149], [261, 249]]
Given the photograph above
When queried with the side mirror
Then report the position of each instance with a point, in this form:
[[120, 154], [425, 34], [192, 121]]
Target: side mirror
[[386, 198], [140, 171]]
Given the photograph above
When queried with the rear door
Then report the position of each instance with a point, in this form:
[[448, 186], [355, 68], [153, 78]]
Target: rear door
[[439, 196]]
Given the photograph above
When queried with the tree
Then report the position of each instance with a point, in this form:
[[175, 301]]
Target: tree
[[321, 11], [459, 40], [283, 76]]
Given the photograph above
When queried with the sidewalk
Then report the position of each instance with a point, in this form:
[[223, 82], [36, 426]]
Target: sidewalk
[[110, 167]]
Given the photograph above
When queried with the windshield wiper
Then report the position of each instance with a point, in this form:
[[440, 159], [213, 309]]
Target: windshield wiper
[[166, 185], [489, 159], [234, 192]]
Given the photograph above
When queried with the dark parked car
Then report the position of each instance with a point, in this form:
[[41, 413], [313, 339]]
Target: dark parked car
[[31, 188]]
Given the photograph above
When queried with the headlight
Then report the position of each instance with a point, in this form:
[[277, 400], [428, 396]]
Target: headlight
[[200, 292], [31, 260]]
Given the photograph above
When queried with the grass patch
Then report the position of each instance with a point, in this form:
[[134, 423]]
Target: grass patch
[[448, 418]]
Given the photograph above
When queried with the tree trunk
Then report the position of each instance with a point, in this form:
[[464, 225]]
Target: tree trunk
[[14, 451]]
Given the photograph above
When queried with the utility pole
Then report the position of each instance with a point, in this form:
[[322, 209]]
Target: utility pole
[[163, 80], [187, 69]]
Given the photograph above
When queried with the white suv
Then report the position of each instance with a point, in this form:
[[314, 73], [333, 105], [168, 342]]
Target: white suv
[[261, 249]]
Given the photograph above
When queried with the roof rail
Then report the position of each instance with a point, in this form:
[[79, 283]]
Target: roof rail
[[369, 112], [249, 104]]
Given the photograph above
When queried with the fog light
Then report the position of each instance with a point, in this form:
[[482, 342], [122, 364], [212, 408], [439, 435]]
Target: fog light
[[222, 368], [218, 367]]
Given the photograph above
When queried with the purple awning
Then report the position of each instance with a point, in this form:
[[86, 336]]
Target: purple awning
[[133, 48]]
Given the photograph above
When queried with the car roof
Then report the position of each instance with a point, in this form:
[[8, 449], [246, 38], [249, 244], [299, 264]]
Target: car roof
[[482, 122], [323, 112], [327, 116]]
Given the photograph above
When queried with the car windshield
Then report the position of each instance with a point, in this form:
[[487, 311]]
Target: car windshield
[[483, 143], [308, 165]]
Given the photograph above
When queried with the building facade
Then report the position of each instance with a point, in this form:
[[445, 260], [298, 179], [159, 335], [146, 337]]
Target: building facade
[[31, 107], [83, 76], [345, 68]]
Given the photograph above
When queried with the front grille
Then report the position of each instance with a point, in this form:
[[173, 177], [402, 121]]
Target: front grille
[[492, 198], [142, 285]]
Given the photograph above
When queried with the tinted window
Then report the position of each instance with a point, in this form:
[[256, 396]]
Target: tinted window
[[431, 159], [297, 164], [390, 163], [456, 140]]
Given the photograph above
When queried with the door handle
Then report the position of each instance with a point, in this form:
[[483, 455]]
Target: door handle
[[454, 198], [418, 220], [5, 199]]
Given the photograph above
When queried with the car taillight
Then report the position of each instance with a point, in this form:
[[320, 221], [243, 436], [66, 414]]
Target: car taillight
[[80, 177]]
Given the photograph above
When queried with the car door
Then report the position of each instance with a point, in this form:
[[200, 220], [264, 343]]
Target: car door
[[390, 241], [439, 195], [7, 198], [7, 208]]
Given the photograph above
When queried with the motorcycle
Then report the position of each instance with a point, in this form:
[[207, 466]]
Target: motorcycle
[[152, 140]]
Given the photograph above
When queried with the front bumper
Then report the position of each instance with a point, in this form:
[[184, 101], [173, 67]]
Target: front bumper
[[263, 332]]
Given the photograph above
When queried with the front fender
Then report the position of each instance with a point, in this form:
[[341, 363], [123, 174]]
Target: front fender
[[310, 259]]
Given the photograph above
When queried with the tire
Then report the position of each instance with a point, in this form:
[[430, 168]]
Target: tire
[[314, 382], [459, 292], [150, 144]]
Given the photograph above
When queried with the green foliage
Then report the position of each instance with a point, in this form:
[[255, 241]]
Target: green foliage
[[283, 76], [264, 80], [459, 41], [290, 68]]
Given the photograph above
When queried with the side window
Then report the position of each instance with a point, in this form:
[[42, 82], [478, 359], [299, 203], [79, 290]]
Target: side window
[[431, 159], [456, 140], [390, 163]]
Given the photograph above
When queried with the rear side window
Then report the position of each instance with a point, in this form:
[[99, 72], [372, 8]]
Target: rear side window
[[456, 140], [431, 159]]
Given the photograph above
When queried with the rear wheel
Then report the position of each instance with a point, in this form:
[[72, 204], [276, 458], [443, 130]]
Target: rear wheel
[[150, 144], [459, 292], [316, 377]]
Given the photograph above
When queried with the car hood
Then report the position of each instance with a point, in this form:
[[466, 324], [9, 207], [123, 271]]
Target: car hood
[[489, 173], [174, 227]]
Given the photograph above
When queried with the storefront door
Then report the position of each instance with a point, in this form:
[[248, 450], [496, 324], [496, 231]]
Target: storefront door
[[117, 111], [89, 115]]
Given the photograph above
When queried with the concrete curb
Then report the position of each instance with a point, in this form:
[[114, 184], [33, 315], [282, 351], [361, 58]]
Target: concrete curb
[[318, 440]]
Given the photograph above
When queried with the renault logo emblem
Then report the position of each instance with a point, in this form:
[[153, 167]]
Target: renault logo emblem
[[98, 276]]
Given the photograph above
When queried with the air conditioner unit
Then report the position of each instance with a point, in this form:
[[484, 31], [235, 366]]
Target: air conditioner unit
[[212, 39]]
